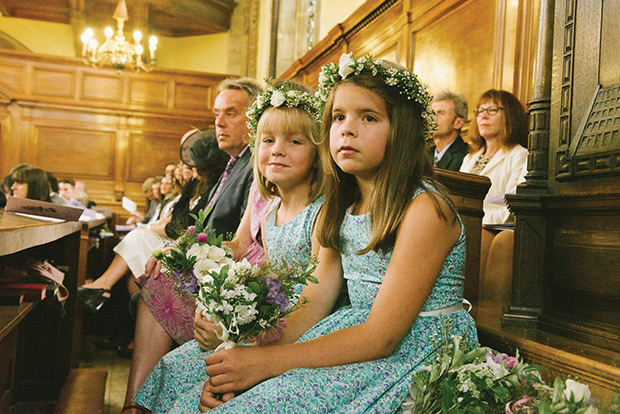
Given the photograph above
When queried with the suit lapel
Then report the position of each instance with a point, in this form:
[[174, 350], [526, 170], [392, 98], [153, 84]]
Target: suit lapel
[[239, 166]]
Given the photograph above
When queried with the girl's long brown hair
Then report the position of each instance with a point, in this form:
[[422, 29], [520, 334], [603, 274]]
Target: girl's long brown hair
[[405, 167]]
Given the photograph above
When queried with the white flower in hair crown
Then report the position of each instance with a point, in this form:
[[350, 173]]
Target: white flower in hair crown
[[282, 96], [408, 83]]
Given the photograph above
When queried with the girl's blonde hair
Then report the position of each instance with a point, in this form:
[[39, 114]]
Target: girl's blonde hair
[[289, 121], [405, 168]]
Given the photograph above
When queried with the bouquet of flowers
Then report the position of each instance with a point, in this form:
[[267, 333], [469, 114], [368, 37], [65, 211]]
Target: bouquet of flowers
[[463, 379], [248, 301], [197, 251], [170, 297]]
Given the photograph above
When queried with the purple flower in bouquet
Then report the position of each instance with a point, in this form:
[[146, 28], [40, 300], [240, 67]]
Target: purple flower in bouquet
[[190, 229], [202, 238], [275, 296], [509, 360]]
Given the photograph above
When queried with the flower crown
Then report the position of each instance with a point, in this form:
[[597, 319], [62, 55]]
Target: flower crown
[[408, 83], [281, 96]]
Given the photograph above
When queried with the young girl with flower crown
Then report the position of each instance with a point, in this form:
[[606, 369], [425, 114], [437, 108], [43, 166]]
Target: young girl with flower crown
[[285, 125], [392, 233]]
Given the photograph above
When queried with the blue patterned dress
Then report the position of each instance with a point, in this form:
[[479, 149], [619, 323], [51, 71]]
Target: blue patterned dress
[[177, 379], [377, 386]]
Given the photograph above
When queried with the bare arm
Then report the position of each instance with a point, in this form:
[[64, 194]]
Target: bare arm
[[423, 238]]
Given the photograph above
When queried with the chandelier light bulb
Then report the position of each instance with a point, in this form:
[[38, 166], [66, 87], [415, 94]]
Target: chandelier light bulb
[[108, 32], [92, 44], [87, 35], [137, 36], [139, 49]]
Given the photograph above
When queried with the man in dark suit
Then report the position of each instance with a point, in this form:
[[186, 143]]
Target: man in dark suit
[[451, 113], [229, 196], [227, 200]]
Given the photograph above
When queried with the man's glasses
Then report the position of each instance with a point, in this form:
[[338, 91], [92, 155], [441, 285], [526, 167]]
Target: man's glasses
[[492, 110]]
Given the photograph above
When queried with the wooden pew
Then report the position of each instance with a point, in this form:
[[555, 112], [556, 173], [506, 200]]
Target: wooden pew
[[468, 192]]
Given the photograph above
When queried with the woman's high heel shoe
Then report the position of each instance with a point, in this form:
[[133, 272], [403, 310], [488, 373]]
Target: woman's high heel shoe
[[92, 299]]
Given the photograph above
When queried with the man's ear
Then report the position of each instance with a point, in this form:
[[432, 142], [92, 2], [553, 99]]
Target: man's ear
[[458, 123]]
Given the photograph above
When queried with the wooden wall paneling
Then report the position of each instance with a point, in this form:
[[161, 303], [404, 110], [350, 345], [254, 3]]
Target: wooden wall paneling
[[146, 91], [386, 31], [109, 129], [100, 87], [121, 158], [13, 77], [5, 139], [525, 53], [54, 82], [456, 56], [150, 151]]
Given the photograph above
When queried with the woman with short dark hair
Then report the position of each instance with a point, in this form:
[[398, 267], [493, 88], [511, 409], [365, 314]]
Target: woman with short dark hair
[[32, 183]]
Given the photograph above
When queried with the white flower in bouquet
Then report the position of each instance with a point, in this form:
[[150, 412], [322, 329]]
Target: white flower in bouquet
[[580, 392], [193, 255], [216, 254], [202, 268], [246, 300]]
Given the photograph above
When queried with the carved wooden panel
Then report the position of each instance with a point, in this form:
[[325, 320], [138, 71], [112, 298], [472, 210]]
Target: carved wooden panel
[[99, 87], [587, 115], [148, 152], [193, 96], [59, 83], [13, 77], [75, 152], [151, 92]]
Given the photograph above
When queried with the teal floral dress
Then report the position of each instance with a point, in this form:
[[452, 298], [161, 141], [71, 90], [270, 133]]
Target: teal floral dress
[[175, 384], [378, 386]]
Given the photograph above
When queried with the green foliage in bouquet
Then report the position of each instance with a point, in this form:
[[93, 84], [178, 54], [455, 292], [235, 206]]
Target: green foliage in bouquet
[[248, 300], [195, 252], [469, 380]]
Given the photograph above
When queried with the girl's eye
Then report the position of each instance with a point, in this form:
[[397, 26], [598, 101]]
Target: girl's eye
[[267, 140], [338, 117], [296, 142], [370, 118]]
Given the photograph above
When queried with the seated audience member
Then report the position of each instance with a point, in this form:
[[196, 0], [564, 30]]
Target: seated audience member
[[7, 182], [152, 201], [81, 194], [136, 248], [451, 113], [66, 189], [32, 183], [227, 201], [169, 171], [54, 196], [497, 151]]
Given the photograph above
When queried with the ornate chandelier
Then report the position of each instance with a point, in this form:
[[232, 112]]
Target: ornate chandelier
[[116, 51]]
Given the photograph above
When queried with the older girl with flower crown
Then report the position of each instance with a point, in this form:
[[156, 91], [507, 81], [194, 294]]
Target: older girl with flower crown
[[392, 233], [285, 126]]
